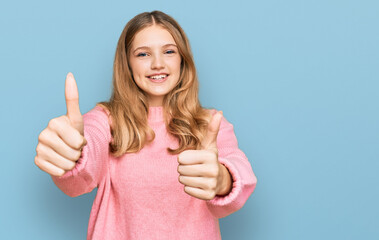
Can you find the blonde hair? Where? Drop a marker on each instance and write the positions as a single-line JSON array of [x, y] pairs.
[[185, 118]]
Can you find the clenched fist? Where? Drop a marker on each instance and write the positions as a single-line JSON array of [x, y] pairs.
[[60, 143], [202, 175]]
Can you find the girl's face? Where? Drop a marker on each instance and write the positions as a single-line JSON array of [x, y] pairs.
[[155, 62]]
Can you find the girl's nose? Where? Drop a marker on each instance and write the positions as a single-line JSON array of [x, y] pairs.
[[157, 62]]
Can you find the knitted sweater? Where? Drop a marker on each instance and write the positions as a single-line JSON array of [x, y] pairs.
[[139, 195]]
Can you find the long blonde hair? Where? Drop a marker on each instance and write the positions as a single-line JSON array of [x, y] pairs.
[[185, 118]]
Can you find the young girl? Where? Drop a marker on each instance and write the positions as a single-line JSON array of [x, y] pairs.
[[165, 167]]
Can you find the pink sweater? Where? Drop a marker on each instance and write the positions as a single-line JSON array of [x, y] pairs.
[[139, 195]]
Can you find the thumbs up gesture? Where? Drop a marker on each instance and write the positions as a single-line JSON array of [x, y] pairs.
[[200, 172], [60, 143]]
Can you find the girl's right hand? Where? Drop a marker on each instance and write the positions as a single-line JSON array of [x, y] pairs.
[[60, 144]]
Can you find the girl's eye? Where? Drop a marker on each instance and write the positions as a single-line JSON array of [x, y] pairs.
[[170, 51], [142, 54]]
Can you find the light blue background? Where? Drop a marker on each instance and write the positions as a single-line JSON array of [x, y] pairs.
[[297, 79]]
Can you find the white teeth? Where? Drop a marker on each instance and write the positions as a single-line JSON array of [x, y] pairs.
[[158, 76]]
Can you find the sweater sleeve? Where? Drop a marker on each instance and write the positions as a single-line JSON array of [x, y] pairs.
[[244, 179], [93, 164]]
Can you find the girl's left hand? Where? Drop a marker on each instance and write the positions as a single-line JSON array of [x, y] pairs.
[[200, 172]]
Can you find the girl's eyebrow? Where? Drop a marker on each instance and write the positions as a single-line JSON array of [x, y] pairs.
[[146, 47]]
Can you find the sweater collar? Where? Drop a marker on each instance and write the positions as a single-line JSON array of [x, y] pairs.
[[155, 114]]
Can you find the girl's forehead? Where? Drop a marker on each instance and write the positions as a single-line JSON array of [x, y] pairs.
[[151, 36]]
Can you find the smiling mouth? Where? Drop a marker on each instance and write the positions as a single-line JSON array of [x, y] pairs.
[[158, 77]]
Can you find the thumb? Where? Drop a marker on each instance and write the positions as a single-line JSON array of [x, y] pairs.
[[72, 103], [210, 139]]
